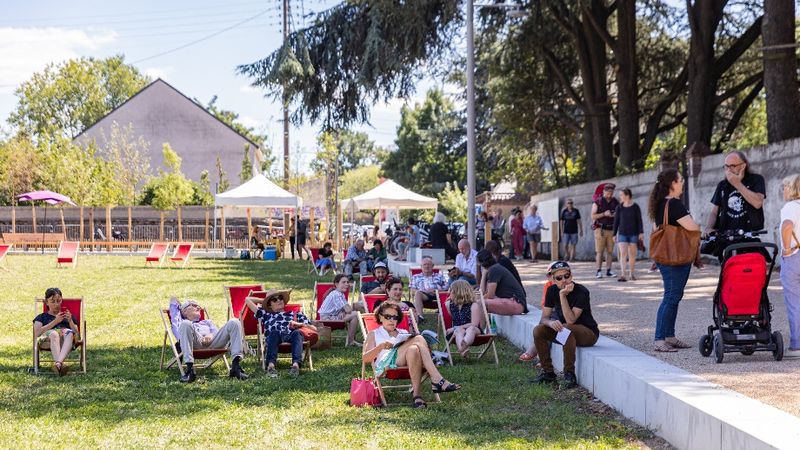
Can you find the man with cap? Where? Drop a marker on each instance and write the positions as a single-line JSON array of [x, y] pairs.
[[603, 217], [380, 271], [196, 333], [502, 293], [566, 306]]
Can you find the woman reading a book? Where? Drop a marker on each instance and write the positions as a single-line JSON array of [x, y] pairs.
[[389, 346]]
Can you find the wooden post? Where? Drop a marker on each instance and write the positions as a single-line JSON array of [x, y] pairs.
[[339, 229], [205, 232], [109, 236], [249, 227], [487, 232], [554, 244], [63, 224], [311, 235], [13, 219], [33, 214], [271, 214], [91, 223], [130, 225], [180, 228], [80, 232], [223, 238], [161, 227]]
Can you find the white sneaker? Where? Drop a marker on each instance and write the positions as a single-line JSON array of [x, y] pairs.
[[788, 353], [599, 274], [610, 273]]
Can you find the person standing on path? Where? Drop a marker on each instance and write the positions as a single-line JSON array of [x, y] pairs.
[[571, 228], [665, 197], [603, 217], [738, 200], [291, 236], [790, 261], [628, 231], [533, 229], [518, 234], [302, 230]]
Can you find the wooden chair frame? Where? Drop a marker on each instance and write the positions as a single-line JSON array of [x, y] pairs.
[[484, 340], [312, 263], [284, 347], [399, 373], [175, 259], [78, 343], [158, 252], [62, 259], [210, 355]]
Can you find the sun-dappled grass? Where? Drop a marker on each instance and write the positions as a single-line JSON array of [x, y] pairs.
[[125, 401]]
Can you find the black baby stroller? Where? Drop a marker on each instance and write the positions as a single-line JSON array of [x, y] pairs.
[[741, 309]]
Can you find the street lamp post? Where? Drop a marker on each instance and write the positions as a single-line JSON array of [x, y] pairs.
[[471, 111]]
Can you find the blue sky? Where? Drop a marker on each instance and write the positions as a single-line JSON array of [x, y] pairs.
[[34, 33]]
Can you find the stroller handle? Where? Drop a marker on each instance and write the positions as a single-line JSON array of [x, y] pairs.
[[768, 246]]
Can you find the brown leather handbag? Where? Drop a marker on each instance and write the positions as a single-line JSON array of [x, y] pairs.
[[673, 245]]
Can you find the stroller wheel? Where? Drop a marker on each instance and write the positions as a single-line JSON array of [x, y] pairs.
[[705, 345], [719, 348], [777, 340]]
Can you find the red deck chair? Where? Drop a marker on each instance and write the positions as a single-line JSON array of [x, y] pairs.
[[67, 253], [429, 304], [4, 249], [181, 254], [249, 323], [236, 306], [75, 306], [356, 269], [369, 323], [371, 299], [321, 289], [210, 355], [484, 340], [157, 253], [312, 263]]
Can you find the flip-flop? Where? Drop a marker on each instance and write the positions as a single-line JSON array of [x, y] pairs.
[[664, 348], [526, 357]]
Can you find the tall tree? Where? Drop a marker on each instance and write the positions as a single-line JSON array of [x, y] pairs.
[[21, 163], [247, 165], [780, 70], [129, 156], [171, 188], [66, 98]]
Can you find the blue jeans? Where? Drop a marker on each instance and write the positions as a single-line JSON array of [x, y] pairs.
[[675, 278], [790, 279], [274, 339]]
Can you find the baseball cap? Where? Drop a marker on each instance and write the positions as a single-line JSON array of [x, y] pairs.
[[380, 265], [557, 265]]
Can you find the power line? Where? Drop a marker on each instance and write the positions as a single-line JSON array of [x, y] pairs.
[[204, 38]]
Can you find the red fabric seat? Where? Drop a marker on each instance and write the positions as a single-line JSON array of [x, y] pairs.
[[743, 280]]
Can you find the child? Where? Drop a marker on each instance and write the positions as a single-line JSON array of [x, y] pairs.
[[336, 307], [57, 328], [325, 260], [466, 313], [530, 354]]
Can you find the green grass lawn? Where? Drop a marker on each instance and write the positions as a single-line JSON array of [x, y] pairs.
[[125, 401]]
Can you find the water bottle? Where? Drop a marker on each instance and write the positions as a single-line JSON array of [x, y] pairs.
[[492, 326]]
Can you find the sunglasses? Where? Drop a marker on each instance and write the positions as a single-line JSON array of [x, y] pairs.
[[566, 276], [395, 318]]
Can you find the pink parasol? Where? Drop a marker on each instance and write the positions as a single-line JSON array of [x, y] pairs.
[[49, 197]]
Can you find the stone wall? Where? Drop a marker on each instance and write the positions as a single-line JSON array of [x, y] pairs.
[[774, 162]]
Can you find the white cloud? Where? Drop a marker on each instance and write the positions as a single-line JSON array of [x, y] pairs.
[[247, 89], [28, 50], [158, 72]]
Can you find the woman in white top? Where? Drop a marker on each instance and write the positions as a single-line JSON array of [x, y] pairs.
[[414, 353], [790, 260], [336, 307]]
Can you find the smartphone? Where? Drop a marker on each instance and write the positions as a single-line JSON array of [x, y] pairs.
[[63, 309]]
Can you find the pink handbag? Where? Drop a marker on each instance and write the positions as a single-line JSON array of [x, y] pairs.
[[363, 393]]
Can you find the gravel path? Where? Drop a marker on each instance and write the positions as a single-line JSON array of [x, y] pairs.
[[626, 312]]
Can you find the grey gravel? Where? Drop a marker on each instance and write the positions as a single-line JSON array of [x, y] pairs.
[[626, 312]]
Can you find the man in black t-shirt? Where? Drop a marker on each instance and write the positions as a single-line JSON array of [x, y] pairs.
[[738, 200], [571, 228], [566, 306]]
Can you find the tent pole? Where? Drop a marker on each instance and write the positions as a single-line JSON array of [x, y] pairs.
[[13, 219], [205, 229], [310, 232], [223, 236], [249, 227], [33, 215]]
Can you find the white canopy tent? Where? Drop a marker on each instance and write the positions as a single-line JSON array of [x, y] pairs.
[[258, 192], [387, 195]]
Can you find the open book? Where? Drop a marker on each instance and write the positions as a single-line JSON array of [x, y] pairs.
[[400, 338]]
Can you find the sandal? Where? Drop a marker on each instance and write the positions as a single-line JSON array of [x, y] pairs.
[[419, 402], [622, 279], [526, 357], [57, 368], [439, 388], [664, 348], [677, 343]]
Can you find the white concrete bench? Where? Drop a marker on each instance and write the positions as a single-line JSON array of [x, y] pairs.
[[683, 408], [416, 254]]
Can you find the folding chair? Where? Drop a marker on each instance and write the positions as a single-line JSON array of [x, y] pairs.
[[249, 323], [211, 355], [236, 296], [368, 322], [321, 289], [181, 254], [371, 299], [67, 253], [157, 253], [4, 249], [429, 304], [75, 307], [312, 263], [483, 340]]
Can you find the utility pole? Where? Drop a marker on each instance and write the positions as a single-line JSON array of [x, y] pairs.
[[285, 104]]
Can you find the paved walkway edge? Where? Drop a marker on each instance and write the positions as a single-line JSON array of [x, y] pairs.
[[683, 408]]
